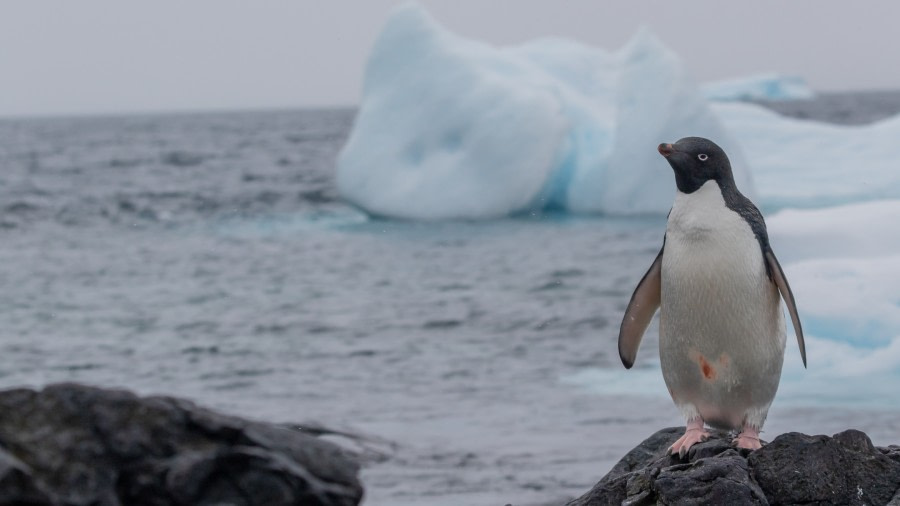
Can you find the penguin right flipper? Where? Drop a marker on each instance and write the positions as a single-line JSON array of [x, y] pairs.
[[643, 305], [788, 297]]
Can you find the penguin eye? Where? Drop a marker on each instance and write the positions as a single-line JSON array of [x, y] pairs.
[[702, 157]]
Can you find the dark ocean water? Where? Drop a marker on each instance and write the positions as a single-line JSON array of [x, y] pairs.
[[208, 256], [856, 108]]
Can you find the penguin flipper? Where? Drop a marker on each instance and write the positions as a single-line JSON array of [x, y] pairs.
[[643, 305], [788, 297]]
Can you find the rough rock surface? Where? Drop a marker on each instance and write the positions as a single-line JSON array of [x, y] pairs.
[[77, 445], [793, 469]]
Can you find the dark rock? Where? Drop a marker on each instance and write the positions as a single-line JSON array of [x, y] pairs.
[[78, 445], [793, 469], [637, 466], [892, 451], [723, 479], [844, 469], [17, 486]]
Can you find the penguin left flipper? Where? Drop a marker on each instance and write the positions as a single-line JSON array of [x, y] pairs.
[[788, 297], [641, 308]]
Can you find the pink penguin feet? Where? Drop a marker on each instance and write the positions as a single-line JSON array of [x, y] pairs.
[[748, 438], [695, 433]]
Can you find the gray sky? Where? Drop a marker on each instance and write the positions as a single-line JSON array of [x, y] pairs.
[[107, 56]]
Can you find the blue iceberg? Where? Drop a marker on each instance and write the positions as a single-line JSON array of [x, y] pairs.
[[450, 128]]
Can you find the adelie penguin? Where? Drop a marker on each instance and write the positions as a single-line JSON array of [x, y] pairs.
[[716, 282]]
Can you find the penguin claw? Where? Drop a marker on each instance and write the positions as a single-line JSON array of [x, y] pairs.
[[748, 438], [692, 436]]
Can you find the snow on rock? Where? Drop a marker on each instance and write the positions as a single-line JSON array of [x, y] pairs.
[[798, 163], [450, 128], [759, 87]]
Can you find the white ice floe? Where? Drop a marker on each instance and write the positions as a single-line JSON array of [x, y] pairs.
[[798, 163], [453, 128], [844, 266], [759, 87], [867, 229], [854, 300]]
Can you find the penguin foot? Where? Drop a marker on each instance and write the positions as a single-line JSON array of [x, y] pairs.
[[748, 438], [695, 433]]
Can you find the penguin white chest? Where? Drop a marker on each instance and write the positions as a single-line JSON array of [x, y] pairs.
[[709, 241], [721, 327]]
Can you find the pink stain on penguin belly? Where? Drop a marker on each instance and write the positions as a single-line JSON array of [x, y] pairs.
[[708, 370]]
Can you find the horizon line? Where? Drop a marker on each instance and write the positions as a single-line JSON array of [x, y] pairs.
[[177, 110]]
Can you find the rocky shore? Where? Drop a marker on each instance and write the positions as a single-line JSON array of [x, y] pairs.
[[77, 445], [71, 444], [794, 468]]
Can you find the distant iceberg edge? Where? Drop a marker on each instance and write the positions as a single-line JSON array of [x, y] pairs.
[[773, 87]]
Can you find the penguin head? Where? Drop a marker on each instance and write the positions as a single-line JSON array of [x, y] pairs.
[[695, 161]]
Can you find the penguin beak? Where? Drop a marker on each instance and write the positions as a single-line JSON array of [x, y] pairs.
[[666, 150]]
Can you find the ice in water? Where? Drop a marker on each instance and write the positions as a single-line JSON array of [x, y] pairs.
[[759, 87], [454, 128]]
